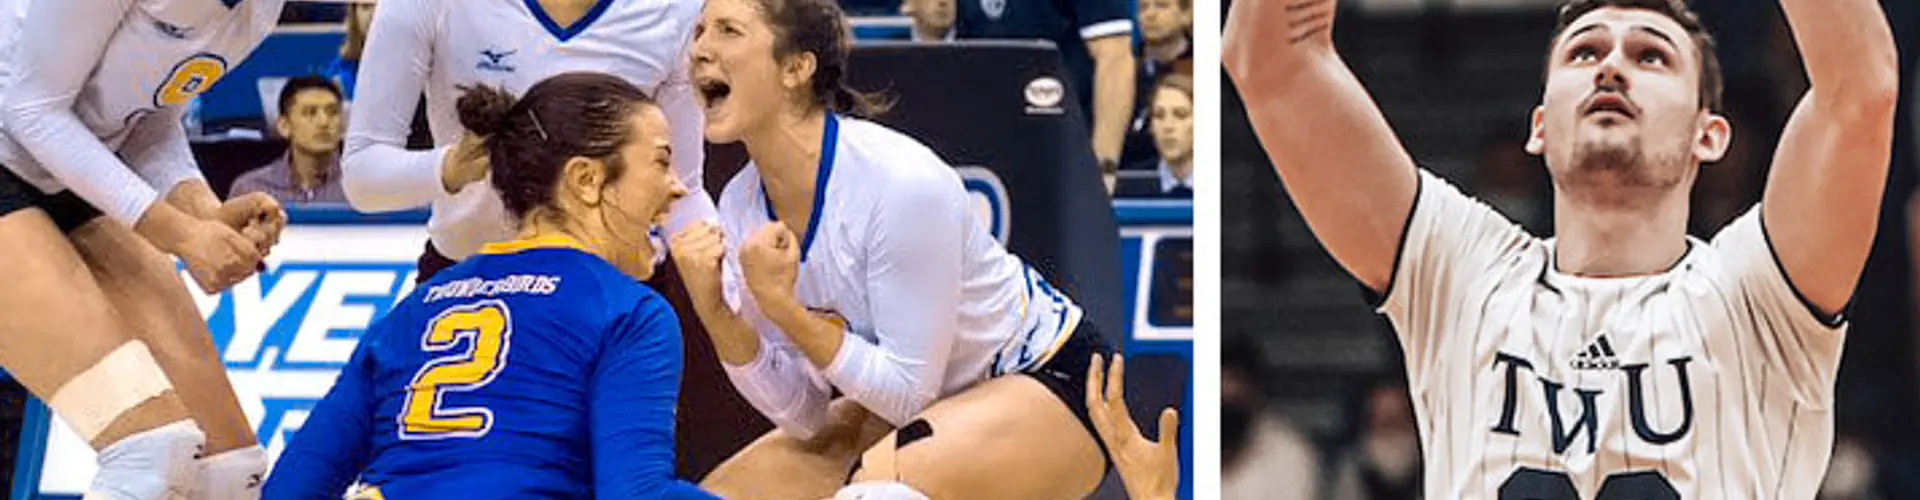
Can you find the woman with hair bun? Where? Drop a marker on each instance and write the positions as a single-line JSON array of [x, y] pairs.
[[539, 367]]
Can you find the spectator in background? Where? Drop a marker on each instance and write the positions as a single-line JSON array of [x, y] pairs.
[[1166, 47], [343, 68], [1096, 43], [1166, 30], [932, 19], [310, 171], [1261, 455], [1172, 126], [1383, 460]]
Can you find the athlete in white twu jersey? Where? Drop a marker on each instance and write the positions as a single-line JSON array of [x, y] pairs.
[[1620, 359], [440, 45], [96, 320]]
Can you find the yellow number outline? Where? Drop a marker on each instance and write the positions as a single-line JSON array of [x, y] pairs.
[[189, 78], [488, 328]]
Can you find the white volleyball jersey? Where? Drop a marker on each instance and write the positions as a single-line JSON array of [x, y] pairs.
[[1710, 380], [437, 46], [91, 96], [932, 303]]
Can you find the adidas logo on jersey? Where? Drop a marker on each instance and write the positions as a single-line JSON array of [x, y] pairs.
[[1598, 356]]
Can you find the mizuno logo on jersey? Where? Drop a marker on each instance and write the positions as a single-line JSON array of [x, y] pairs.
[[1598, 356], [496, 60]]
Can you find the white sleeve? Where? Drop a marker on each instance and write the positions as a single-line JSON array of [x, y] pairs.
[[159, 152], [378, 172], [1793, 338], [914, 255], [779, 385], [61, 43], [688, 124], [1449, 240]]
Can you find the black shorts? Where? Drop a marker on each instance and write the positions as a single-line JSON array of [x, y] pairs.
[[1065, 374], [67, 210]]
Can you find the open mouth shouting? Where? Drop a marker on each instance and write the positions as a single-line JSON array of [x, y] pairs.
[[713, 93]]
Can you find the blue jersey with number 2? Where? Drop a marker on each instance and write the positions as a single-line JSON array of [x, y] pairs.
[[533, 369]]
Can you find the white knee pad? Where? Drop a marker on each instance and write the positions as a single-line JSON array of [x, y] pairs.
[[879, 490], [121, 380], [151, 465], [233, 475]]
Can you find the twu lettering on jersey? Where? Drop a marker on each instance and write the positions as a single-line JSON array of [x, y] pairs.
[[1568, 424]]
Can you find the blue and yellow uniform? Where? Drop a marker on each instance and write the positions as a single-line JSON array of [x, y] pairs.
[[532, 370]]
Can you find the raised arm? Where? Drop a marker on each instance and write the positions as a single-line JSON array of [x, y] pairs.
[[1822, 198], [1346, 171]]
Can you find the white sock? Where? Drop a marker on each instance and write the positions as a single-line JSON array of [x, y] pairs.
[[151, 465], [233, 475], [879, 490]]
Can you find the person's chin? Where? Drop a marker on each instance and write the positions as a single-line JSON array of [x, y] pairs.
[[721, 129]]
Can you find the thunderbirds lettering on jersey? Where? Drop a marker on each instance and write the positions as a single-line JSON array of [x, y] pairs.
[[285, 334]]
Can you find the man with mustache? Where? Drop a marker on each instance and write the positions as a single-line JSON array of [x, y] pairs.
[[1620, 358]]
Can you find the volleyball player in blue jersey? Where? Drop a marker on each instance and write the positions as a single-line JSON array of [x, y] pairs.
[[539, 367]]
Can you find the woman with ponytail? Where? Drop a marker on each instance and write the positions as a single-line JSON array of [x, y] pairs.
[[855, 299], [538, 368]]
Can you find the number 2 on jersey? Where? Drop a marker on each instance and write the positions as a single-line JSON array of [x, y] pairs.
[[487, 327]]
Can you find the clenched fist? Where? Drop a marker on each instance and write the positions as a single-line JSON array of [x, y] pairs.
[[770, 259]]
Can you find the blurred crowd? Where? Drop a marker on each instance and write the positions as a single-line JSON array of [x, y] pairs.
[[1308, 362]]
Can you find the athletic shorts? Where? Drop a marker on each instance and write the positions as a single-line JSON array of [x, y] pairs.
[[67, 210], [1065, 374]]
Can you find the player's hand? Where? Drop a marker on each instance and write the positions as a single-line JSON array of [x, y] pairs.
[[770, 259], [256, 216], [216, 255], [697, 250], [466, 163], [1149, 470], [1257, 31]]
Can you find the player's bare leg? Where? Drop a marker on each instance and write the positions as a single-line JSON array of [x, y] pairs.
[[142, 285], [779, 466], [1009, 429], [65, 342]]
